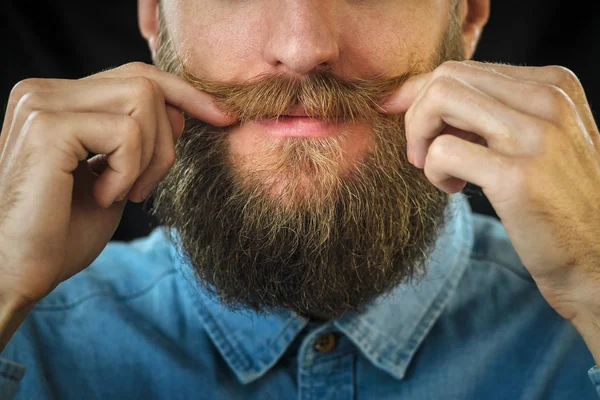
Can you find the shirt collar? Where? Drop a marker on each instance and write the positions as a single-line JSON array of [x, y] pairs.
[[388, 332]]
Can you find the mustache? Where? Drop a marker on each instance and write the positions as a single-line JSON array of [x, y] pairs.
[[322, 94]]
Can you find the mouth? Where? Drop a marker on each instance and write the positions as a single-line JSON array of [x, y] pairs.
[[296, 122]]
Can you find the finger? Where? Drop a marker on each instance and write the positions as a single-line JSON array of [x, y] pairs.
[[557, 76], [162, 159], [177, 121], [97, 164], [60, 140], [536, 99], [177, 92], [551, 93], [451, 162], [130, 96], [401, 100], [548, 75], [532, 97], [19, 90], [451, 102]]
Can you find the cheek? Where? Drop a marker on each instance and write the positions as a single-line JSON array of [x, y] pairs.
[[391, 42], [221, 43], [225, 39]]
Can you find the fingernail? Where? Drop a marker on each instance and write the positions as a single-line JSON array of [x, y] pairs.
[[148, 190], [410, 156]]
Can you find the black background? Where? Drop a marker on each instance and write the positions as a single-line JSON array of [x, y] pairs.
[[72, 39]]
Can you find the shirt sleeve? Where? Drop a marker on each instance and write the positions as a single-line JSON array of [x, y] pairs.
[[10, 375], [594, 374]]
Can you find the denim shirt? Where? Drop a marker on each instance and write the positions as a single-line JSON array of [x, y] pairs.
[[135, 325]]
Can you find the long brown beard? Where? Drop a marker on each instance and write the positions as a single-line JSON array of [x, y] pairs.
[[334, 238]]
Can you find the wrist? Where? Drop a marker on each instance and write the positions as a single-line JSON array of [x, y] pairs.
[[588, 327], [12, 313]]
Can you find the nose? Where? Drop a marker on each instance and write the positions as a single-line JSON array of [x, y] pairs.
[[302, 36]]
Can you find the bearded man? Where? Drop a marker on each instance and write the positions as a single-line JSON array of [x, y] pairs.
[[306, 159]]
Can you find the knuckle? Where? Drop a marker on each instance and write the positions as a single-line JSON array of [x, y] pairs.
[[24, 87], [35, 128], [510, 142], [38, 119], [564, 78], [441, 87], [144, 87], [551, 100], [450, 68], [556, 94], [534, 140], [29, 101], [558, 102], [440, 147], [137, 66]]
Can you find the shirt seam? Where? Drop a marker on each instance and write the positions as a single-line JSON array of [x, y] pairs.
[[105, 293], [481, 257]]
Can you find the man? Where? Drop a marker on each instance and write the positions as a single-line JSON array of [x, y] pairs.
[[314, 244]]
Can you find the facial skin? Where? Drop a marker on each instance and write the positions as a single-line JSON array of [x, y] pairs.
[[236, 41], [322, 220]]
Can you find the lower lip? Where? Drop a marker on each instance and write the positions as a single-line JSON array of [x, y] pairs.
[[299, 127]]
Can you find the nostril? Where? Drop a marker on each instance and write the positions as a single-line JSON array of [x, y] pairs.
[[301, 45]]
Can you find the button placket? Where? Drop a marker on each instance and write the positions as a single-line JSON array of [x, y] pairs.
[[326, 343], [325, 369]]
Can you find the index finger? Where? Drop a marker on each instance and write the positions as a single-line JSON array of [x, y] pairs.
[[177, 92], [405, 96]]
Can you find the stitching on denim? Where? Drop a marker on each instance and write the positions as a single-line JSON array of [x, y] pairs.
[[481, 257], [104, 292]]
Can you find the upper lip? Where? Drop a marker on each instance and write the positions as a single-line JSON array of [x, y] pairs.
[[297, 111]]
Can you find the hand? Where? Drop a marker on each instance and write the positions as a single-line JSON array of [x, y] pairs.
[[528, 138], [59, 210]]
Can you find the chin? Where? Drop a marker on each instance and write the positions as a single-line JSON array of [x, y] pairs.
[[319, 226], [297, 168]]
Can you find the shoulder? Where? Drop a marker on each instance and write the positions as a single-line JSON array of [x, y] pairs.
[[497, 316], [495, 281], [122, 270]]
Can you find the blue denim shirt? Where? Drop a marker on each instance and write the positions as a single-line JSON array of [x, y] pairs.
[[134, 325]]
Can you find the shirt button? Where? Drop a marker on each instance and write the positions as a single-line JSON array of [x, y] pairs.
[[325, 343]]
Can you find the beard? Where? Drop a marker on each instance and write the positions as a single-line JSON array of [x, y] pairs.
[[295, 226]]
